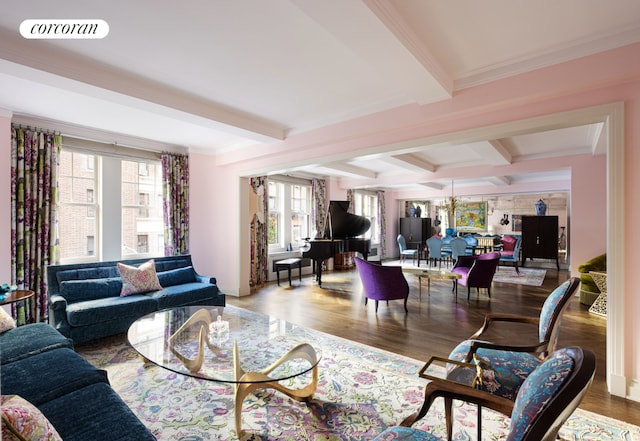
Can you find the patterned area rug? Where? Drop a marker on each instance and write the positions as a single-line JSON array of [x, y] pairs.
[[527, 276], [361, 391]]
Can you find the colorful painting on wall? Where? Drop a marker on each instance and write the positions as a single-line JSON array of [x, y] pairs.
[[472, 217]]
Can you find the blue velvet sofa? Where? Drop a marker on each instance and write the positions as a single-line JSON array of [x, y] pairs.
[[85, 302], [39, 364]]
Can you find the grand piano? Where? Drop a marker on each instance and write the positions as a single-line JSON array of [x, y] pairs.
[[341, 229]]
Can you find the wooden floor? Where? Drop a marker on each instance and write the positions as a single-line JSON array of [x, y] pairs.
[[436, 323]]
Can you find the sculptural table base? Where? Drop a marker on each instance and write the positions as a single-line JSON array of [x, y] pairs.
[[244, 382], [247, 382]]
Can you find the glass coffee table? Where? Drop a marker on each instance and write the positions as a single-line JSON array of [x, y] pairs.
[[228, 345]]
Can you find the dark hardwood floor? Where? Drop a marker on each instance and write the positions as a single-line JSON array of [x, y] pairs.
[[435, 324]]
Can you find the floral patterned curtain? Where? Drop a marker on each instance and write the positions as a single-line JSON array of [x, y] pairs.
[[34, 226], [382, 223], [350, 196], [175, 194], [318, 205], [259, 211]]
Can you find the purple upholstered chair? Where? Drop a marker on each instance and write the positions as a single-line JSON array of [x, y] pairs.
[[382, 282], [477, 271]]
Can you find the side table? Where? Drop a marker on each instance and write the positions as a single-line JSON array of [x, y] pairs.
[[599, 306], [17, 296], [449, 379]]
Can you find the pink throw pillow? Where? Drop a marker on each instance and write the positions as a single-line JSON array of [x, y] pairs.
[[138, 280], [22, 420], [6, 321]]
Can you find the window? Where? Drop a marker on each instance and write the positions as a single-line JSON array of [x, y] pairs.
[[366, 204], [110, 207], [141, 219], [289, 214], [78, 222]]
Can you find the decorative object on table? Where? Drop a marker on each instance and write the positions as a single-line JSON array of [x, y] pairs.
[[412, 211], [6, 289], [418, 212], [541, 208]]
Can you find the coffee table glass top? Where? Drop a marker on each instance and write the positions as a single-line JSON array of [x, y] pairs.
[[164, 337]]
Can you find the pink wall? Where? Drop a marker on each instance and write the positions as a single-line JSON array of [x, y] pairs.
[[591, 81]]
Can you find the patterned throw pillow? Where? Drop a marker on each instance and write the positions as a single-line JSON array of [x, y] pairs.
[[138, 280], [6, 321], [22, 420]]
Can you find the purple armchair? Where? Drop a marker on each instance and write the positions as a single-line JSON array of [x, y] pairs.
[[382, 282], [477, 271]]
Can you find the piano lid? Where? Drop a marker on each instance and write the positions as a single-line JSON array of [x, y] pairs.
[[341, 225]]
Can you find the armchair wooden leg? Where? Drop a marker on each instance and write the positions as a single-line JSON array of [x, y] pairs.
[[448, 412], [377, 306]]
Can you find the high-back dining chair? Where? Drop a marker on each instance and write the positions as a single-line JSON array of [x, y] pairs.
[[547, 399], [434, 247], [382, 282], [404, 251], [458, 248], [511, 250]]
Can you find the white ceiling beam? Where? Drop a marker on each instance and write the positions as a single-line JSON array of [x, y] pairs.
[[371, 31], [352, 169], [433, 185], [68, 71], [410, 162], [496, 152], [499, 181]]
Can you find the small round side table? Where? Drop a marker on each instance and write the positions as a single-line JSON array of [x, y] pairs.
[[16, 296]]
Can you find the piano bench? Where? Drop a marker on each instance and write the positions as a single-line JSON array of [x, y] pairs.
[[288, 264]]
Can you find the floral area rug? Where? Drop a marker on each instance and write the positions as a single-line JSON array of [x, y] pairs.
[[526, 276], [361, 391]]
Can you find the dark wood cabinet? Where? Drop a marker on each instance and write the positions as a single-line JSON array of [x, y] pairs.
[[540, 238], [416, 231]]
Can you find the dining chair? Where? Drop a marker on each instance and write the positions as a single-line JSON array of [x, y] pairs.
[[406, 252], [436, 254], [548, 397], [382, 282], [511, 250], [458, 248]]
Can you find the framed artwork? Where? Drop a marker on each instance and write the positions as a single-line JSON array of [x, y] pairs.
[[516, 222], [472, 217]]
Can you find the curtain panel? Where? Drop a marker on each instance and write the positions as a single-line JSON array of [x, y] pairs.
[[318, 205], [351, 193], [35, 161], [382, 223], [175, 192], [259, 205]]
